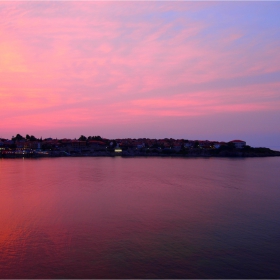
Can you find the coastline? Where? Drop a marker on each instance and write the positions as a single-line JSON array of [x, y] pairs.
[[237, 153]]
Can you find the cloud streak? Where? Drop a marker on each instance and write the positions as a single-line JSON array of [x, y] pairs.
[[82, 63]]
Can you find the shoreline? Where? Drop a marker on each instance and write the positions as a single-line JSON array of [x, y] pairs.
[[192, 154]]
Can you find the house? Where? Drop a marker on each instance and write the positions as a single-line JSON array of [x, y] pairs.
[[76, 146], [35, 145], [140, 146], [217, 145], [239, 144], [95, 145], [187, 145]]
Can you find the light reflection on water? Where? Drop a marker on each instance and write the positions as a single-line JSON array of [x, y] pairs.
[[139, 218]]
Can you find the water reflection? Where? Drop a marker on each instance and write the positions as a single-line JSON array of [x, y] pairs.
[[139, 218]]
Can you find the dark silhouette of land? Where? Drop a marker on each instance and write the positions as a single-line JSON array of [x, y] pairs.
[[30, 146]]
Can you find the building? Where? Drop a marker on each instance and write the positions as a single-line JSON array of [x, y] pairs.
[[118, 149], [95, 145], [239, 144]]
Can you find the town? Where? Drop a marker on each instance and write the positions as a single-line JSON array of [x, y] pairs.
[[30, 146]]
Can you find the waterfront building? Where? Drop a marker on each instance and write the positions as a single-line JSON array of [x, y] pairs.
[[239, 144]]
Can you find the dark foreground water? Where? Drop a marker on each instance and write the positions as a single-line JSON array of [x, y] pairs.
[[140, 218]]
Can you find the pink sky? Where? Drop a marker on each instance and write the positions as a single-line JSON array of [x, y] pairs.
[[193, 70]]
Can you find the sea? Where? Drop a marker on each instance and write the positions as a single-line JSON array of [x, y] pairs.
[[140, 218]]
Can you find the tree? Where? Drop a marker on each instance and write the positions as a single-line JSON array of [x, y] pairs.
[[33, 138], [97, 138], [230, 146], [82, 138], [17, 138], [247, 148]]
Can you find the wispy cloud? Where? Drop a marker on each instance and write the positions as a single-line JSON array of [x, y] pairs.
[[98, 62]]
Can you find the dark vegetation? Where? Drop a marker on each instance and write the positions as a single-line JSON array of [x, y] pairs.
[[98, 146]]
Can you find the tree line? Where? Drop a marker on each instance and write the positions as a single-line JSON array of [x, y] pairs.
[[19, 137]]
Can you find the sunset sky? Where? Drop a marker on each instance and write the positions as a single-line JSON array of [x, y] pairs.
[[192, 70]]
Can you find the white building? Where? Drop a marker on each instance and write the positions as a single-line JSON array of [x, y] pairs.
[[239, 144]]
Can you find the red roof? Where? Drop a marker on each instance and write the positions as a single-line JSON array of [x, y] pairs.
[[237, 141]]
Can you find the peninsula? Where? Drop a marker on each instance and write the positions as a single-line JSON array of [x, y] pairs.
[[32, 147]]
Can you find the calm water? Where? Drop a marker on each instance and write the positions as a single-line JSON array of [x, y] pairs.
[[140, 218]]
